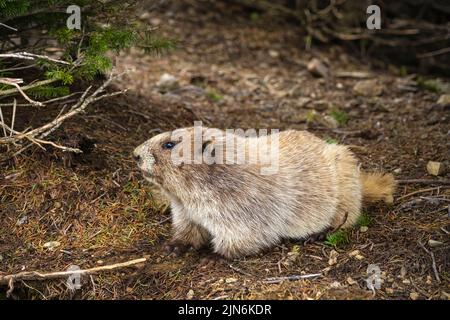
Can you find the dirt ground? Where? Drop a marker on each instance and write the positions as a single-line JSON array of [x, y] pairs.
[[234, 70]]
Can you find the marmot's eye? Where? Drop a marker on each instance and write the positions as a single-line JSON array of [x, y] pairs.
[[168, 145]]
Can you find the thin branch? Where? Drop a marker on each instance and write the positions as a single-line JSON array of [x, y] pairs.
[[8, 27], [423, 181], [36, 275], [35, 136], [416, 192], [18, 68], [3, 122], [25, 88], [433, 261], [11, 82], [13, 120], [434, 53], [241, 271], [37, 141], [43, 102], [32, 56], [291, 278]]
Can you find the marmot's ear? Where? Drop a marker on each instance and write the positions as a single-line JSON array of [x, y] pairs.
[[210, 146]]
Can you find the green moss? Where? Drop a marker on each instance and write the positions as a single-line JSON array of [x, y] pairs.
[[254, 16], [364, 220], [433, 85], [331, 141], [338, 238], [340, 116], [213, 95]]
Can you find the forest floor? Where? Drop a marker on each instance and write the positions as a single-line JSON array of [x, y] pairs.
[[232, 70]]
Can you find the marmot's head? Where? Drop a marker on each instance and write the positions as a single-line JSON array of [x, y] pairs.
[[169, 157], [186, 157]]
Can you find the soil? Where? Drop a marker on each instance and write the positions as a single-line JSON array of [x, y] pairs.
[[234, 70]]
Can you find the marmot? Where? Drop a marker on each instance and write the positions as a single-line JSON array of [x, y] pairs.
[[240, 211]]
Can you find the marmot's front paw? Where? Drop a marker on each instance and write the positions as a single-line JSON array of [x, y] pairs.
[[175, 248]]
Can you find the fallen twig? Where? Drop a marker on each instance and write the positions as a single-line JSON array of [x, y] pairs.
[[15, 83], [416, 192], [353, 74], [30, 86], [433, 261], [13, 120], [36, 275], [8, 27], [37, 141], [423, 181], [433, 53], [36, 134], [241, 271], [3, 121], [43, 102], [291, 278], [32, 56]]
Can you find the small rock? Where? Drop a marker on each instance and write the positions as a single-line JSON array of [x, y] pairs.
[[434, 243], [302, 102], [330, 122], [435, 168], [335, 285], [444, 100], [406, 281], [351, 281], [22, 220], [333, 257], [414, 295], [363, 229], [100, 262], [292, 255], [339, 85], [155, 21], [317, 68], [190, 294], [230, 280], [354, 253], [403, 272], [274, 53], [398, 170], [368, 88], [51, 245], [167, 82], [429, 280], [145, 15]]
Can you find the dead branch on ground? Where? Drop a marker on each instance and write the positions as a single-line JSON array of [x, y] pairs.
[[37, 275], [35, 136]]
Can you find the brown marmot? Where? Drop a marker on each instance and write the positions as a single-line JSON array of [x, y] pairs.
[[238, 209]]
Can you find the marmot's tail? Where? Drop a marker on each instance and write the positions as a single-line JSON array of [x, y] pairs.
[[378, 186]]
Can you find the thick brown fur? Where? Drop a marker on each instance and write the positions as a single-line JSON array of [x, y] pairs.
[[239, 211]]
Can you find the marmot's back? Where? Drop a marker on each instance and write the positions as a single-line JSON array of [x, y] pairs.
[[325, 177]]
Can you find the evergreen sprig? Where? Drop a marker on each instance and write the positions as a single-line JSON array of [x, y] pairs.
[[106, 26]]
